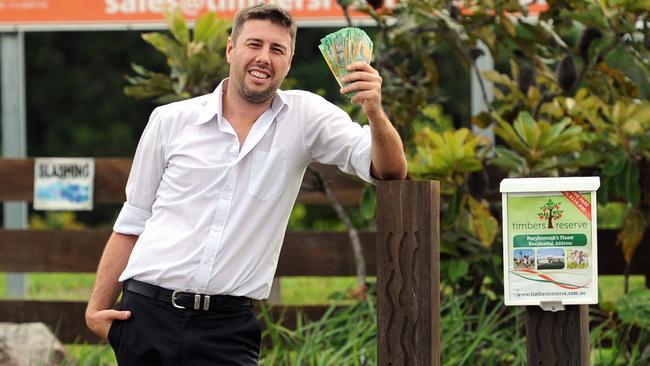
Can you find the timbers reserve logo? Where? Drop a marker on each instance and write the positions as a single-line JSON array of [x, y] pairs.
[[550, 212]]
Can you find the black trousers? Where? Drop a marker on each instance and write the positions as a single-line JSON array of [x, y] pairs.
[[159, 334]]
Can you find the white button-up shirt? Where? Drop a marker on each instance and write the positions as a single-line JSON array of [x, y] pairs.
[[210, 214]]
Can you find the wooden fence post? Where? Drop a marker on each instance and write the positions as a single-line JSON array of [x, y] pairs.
[[408, 273], [558, 338]]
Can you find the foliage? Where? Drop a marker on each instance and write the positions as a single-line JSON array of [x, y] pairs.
[[446, 156], [340, 337], [473, 331], [611, 214], [197, 63], [535, 148], [564, 106], [462, 316], [88, 355], [628, 334], [55, 220], [634, 308]]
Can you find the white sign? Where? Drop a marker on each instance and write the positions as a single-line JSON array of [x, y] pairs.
[[550, 241], [63, 183]]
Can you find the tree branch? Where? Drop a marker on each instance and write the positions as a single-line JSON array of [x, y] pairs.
[[352, 232]]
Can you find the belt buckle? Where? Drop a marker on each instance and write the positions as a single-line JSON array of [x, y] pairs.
[[174, 296], [197, 301]]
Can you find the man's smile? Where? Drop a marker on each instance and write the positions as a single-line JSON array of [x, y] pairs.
[[259, 73]]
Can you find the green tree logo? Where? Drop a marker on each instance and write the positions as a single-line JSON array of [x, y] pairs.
[[550, 212]]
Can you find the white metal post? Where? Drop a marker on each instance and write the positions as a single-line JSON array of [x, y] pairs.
[[485, 62], [14, 136]]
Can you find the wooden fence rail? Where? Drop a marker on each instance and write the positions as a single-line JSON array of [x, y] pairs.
[[111, 175], [79, 251]]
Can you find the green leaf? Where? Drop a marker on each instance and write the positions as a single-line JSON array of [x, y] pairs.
[[453, 210], [590, 18], [527, 129], [508, 160], [628, 183], [177, 26], [141, 70], [507, 25], [588, 158], [634, 308], [368, 203], [457, 270], [204, 27], [174, 52], [507, 133], [614, 163]]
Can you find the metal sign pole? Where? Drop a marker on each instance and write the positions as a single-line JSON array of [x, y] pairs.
[[14, 136], [485, 62]]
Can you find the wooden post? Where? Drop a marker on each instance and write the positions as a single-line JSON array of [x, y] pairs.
[[408, 273], [558, 338]]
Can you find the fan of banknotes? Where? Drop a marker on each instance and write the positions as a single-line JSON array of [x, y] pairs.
[[344, 47]]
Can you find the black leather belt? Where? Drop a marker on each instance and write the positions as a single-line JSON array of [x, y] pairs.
[[187, 300]]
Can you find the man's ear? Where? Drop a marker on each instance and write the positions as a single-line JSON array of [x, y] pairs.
[[289, 67], [230, 46]]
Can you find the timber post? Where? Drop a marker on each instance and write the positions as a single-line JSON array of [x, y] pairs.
[[558, 338], [408, 273]]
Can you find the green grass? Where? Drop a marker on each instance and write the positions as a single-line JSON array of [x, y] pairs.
[[293, 290], [55, 286], [610, 288], [315, 290], [77, 287], [89, 355]]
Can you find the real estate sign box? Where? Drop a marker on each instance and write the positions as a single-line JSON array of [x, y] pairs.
[[549, 240]]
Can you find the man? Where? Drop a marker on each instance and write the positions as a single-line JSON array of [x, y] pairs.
[[209, 195]]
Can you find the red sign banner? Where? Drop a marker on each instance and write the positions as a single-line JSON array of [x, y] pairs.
[[68, 13], [580, 202]]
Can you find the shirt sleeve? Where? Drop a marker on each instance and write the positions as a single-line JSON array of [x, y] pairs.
[[144, 179], [331, 137]]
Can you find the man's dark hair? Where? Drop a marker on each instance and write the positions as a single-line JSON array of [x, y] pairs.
[[269, 12]]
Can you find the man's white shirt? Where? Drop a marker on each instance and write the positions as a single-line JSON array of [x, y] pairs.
[[210, 214]]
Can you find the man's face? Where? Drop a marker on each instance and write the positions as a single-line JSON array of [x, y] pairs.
[[259, 60]]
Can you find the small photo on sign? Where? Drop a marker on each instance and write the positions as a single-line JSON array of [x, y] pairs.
[[577, 259], [550, 258], [524, 258]]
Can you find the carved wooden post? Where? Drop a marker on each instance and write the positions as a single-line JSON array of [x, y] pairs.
[[558, 338], [408, 273]]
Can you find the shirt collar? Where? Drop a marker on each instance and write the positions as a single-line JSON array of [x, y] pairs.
[[214, 104]]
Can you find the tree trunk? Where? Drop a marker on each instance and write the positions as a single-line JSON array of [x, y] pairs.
[[550, 219]]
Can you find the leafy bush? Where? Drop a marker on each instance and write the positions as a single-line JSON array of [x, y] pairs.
[[474, 331], [568, 105]]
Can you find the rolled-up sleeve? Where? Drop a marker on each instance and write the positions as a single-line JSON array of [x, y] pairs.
[[331, 137], [144, 179]]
